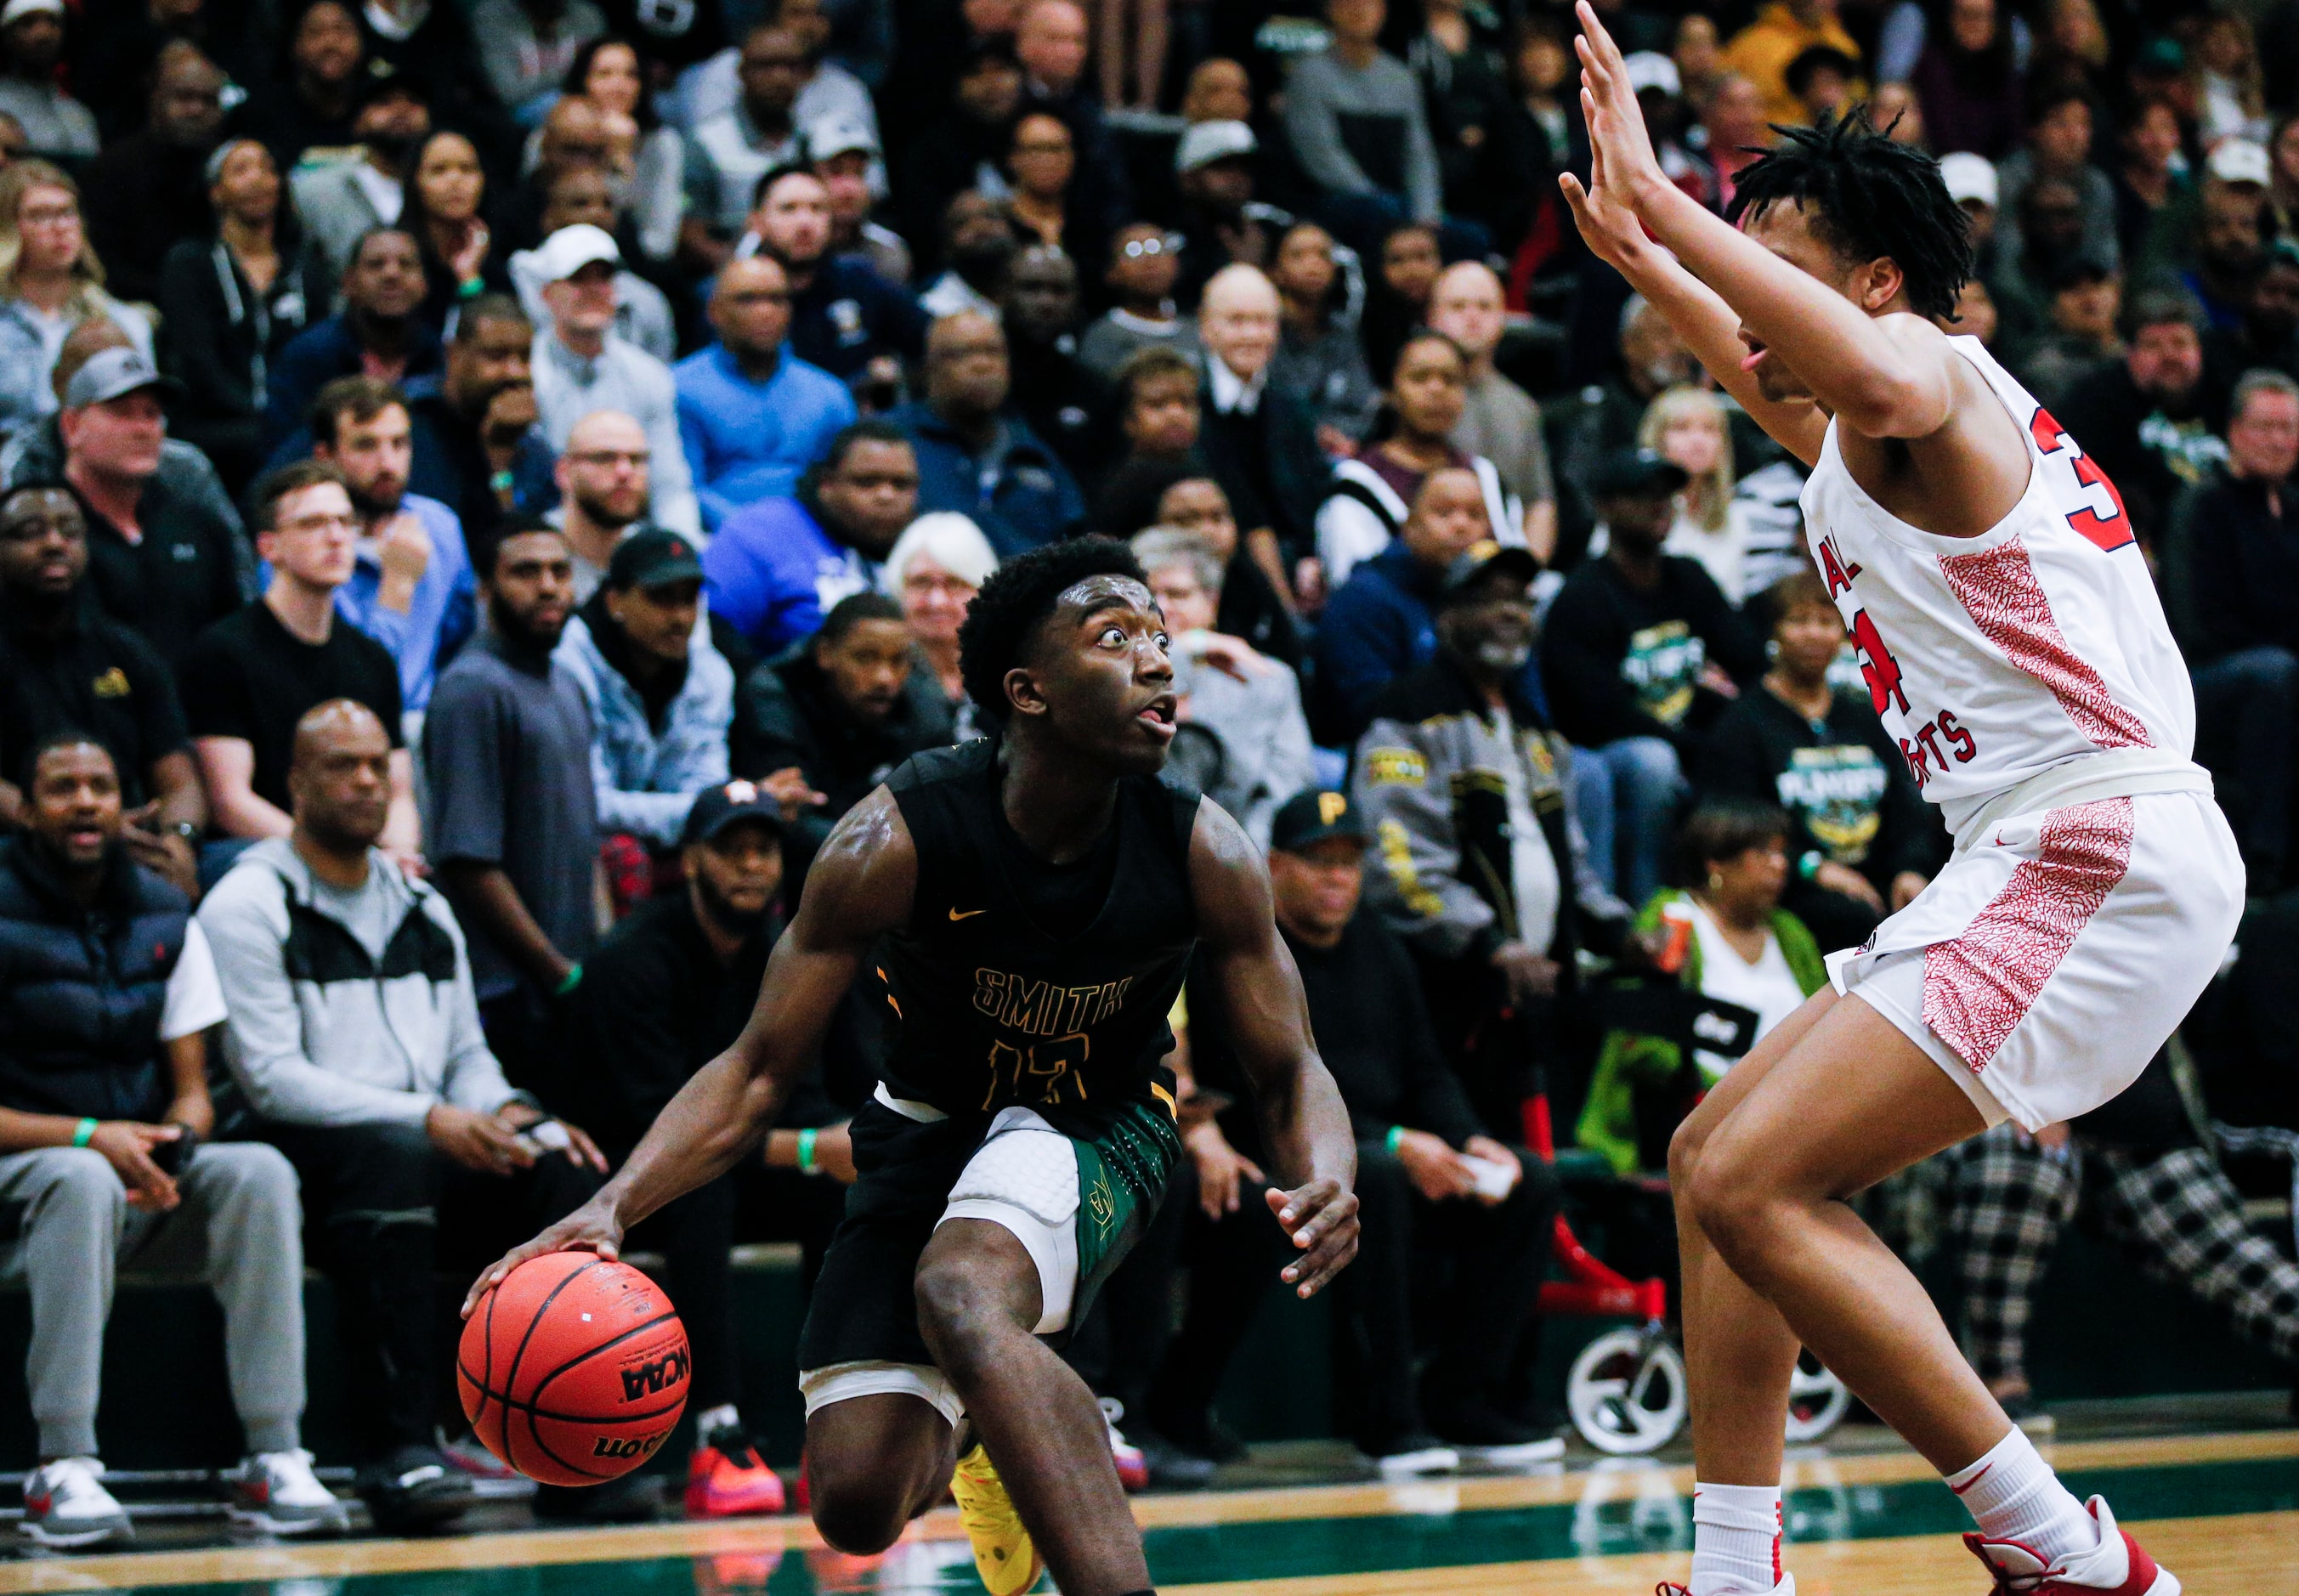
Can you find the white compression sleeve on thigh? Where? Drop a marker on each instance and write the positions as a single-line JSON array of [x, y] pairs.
[[1024, 1180], [1736, 1539], [2013, 1495]]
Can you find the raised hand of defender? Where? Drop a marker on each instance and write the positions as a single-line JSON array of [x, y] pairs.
[[1322, 1219], [1621, 165], [590, 1228]]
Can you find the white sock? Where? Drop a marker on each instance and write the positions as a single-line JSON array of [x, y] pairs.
[[2013, 1495], [722, 1416], [1736, 1539]]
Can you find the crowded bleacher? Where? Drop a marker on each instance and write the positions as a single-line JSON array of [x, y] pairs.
[[488, 483]]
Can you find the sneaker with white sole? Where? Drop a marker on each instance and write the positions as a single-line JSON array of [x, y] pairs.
[[2116, 1566], [277, 1493], [67, 1507], [1133, 1466], [1417, 1453], [1787, 1587]]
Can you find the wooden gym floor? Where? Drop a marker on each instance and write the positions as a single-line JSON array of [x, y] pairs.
[[2221, 1508]]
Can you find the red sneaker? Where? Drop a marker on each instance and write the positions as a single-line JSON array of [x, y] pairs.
[[2118, 1565], [1132, 1468], [729, 1481]]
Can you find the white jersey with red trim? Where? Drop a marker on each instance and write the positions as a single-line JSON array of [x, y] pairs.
[[1998, 660]]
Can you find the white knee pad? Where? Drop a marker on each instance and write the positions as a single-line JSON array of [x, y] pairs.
[[1024, 1178], [843, 1382]]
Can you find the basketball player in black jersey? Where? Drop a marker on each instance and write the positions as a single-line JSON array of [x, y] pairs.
[[1026, 905]]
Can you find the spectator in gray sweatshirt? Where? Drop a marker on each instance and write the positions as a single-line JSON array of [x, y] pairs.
[[1355, 117], [355, 1032]]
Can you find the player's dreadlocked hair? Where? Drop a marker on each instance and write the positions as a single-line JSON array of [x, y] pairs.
[[1004, 619], [1867, 198]]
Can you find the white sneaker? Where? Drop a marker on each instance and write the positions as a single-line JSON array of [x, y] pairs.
[[277, 1493], [1418, 1455], [66, 1504]]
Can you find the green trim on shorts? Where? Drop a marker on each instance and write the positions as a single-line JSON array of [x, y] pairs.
[[1123, 1170]]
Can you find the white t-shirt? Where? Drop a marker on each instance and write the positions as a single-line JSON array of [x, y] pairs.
[[195, 1000], [1532, 868], [1767, 988]]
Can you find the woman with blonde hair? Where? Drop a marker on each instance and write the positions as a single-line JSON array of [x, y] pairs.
[[1687, 425], [50, 282]]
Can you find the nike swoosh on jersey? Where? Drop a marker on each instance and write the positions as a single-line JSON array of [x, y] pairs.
[[968, 915]]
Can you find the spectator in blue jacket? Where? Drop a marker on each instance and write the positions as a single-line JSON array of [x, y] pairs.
[[377, 333], [1382, 622], [412, 589], [751, 415], [661, 697], [775, 570], [975, 455]]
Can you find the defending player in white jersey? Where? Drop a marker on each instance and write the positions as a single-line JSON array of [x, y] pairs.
[[2014, 647]]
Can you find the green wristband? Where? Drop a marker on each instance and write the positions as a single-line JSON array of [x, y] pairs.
[[84, 1132], [574, 980], [1809, 865], [1396, 1137], [806, 1151], [472, 289]]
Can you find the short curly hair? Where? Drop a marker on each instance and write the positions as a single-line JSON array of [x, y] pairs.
[[1003, 620], [1867, 198]]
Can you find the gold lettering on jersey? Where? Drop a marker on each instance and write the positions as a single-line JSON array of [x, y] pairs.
[[1040, 1008]]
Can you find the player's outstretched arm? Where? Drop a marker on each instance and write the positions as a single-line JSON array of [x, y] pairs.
[[1711, 330], [1303, 1122], [1881, 378], [861, 885]]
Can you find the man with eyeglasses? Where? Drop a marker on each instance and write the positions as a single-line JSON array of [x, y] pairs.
[[751, 415], [603, 479], [1145, 261], [250, 677]]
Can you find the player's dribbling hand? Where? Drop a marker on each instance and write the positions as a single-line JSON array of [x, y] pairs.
[[590, 1228], [1322, 1219]]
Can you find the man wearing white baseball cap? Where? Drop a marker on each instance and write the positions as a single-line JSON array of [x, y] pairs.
[[845, 156], [32, 39], [2239, 163], [581, 366]]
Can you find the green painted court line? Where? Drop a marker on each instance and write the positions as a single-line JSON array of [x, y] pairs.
[[1625, 1523]]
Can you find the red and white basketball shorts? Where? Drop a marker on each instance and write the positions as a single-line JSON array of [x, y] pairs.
[[2044, 966]]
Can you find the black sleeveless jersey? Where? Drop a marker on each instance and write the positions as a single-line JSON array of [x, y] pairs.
[[993, 1008]]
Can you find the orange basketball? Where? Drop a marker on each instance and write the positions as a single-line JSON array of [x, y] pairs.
[[574, 1369]]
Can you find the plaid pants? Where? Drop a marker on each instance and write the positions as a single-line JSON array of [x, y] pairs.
[[2002, 1203]]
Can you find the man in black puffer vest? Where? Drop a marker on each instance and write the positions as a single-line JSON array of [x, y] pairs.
[[107, 991]]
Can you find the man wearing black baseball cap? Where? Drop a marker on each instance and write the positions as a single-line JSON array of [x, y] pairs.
[[666, 992], [1639, 651], [1429, 1177], [661, 694], [1482, 870]]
